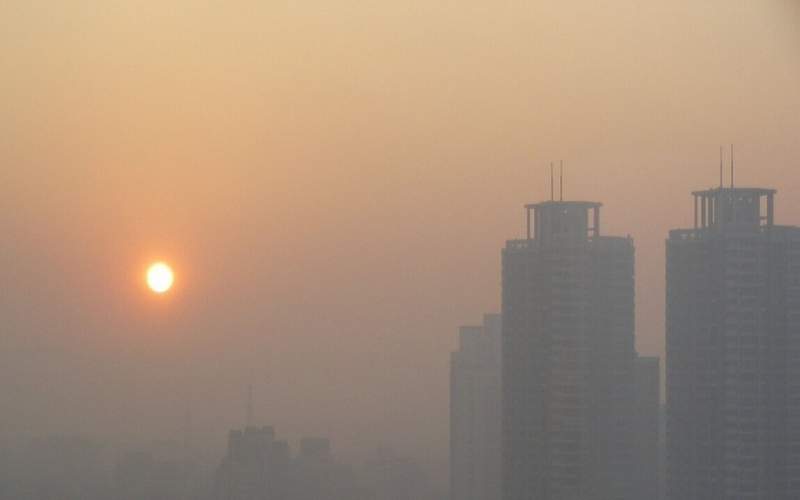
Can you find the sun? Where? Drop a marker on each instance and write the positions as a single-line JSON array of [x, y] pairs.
[[160, 277]]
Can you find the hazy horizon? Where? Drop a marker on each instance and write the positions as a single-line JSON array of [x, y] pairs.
[[333, 187]]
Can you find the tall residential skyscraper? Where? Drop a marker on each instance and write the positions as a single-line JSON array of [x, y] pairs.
[[733, 351], [475, 412], [568, 357]]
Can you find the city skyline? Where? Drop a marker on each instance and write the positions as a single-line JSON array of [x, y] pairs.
[[569, 222], [331, 186]]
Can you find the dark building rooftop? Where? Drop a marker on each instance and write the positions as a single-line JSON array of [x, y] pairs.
[[734, 206], [560, 218]]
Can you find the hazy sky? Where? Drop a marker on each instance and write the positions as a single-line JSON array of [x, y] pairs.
[[333, 182]]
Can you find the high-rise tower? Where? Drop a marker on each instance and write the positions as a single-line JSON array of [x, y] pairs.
[[475, 412], [568, 357], [733, 351]]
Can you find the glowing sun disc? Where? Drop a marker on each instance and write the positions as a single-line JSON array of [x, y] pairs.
[[160, 277]]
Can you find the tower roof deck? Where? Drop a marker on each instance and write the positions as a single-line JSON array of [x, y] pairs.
[[554, 219], [736, 190], [565, 204], [734, 207]]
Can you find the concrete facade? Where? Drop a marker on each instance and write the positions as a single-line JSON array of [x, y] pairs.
[[568, 358], [475, 412], [733, 351]]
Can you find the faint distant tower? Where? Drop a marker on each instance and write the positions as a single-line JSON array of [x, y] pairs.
[[568, 357], [256, 466], [249, 406], [475, 412], [647, 408], [733, 351], [316, 474]]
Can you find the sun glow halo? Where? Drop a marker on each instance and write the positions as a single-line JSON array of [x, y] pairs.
[[160, 277]]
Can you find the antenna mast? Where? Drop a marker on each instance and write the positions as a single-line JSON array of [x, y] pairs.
[[561, 182], [552, 195], [731, 166], [720, 167], [249, 409]]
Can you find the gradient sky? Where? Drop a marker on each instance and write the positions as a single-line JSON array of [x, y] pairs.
[[333, 182]]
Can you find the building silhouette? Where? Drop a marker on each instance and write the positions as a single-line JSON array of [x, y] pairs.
[[733, 351], [53, 467], [316, 474], [647, 408], [389, 475], [256, 466], [475, 412], [143, 474], [568, 357]]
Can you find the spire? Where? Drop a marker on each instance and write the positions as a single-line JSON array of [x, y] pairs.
[[249, 408]]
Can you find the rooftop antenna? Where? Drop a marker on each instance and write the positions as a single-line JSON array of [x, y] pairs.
[[249, 409], [731, 166], [561, 182], [720, 167], [552, 196]]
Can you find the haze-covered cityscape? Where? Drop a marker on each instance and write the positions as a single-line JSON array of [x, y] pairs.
[[400, 250]]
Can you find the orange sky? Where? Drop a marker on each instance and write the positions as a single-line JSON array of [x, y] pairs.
[[334, 185]]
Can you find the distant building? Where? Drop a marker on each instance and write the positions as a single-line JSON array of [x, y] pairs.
[[390, 476], [662, 451], [256, 466], [646, 464], [475, 412], [55, 467], [316, 474], [733, 351], [140, 474], [568, 358]]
